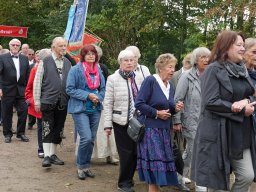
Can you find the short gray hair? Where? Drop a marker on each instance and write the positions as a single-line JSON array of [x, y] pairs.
[[56, 39], [200, 51], [135, 50], [44, 53], [163, 60], [249, 42], [125, 54], [99, 51]]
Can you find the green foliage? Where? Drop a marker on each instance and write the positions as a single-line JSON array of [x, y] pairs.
[[155, 26]]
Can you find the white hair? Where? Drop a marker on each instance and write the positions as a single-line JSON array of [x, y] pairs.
[[200, 51], [125, 54], [99, 51], [14, 40], [57, 39], [44, 53], [135, 50]]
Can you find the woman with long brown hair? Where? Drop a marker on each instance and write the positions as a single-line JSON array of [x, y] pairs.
[[225, 140]]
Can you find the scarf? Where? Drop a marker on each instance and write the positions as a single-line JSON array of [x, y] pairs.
[[252, 74], [93, 83], [236, 69], [131, 75]]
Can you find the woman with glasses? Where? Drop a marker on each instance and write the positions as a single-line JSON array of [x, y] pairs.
[[86, 88], [188, 90]]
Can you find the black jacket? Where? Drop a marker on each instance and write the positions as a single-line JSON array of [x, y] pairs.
[[8, 78], [211, 156]]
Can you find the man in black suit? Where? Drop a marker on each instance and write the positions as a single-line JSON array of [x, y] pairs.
[[14, 72]]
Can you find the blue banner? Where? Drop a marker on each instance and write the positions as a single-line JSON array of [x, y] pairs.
[[71, 16], [78, 25]]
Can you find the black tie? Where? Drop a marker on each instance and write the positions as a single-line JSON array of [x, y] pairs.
[[15, 56]]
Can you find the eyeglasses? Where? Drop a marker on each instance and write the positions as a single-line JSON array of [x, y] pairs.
[[15, 45], [204, 57]]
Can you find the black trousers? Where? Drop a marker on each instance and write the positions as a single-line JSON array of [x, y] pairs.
[[127, 151], [31, 120], [7, 112], [53, 119]]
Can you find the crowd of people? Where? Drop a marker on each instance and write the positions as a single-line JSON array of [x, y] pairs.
[[208, 105]]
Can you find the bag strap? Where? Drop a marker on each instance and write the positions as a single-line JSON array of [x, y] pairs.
[[142, 72]]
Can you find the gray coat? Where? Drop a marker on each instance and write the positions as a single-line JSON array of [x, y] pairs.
[[188, 90], [211, 162]]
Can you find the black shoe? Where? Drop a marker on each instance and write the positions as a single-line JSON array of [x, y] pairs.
[[81, 175], [55, 160], [88, 173], [46, 162], [22, 138], [7, 139]]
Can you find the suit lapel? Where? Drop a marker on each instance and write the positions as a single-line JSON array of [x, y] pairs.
[[9, 59]]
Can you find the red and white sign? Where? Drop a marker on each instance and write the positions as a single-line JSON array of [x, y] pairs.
[[13, 31]]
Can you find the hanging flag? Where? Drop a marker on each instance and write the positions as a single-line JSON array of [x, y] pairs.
[[13, 31], [77, 19], [74, 50], [71, 16]]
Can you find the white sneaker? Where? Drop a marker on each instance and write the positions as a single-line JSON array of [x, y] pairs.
[[186, 180], [201, 189]]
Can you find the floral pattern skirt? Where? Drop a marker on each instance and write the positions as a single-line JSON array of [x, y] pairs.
[[155, 160]]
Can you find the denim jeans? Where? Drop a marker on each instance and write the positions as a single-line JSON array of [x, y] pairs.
[[86, 126], [39, 135]]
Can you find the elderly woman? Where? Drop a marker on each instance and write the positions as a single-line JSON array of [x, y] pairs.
[[86, 88], [250, 58], [188, 90], [121, 91], [225, 139], [155, 104], [141, 71], [105, 146]]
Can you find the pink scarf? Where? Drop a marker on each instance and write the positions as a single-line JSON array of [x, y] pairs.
[[93, 71]]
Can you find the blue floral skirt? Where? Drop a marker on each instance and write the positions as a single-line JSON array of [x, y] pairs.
[[155, 160]]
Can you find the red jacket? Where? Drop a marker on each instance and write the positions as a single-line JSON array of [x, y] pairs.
[[29, 94]]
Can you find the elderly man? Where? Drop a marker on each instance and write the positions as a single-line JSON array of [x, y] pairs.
[[24, 49], [14, 72], [50, 97]]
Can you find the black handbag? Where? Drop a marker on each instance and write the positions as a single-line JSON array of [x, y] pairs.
[[135, 129], [177, 143]]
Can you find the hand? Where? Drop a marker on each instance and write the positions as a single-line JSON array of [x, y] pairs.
[[38, 108], [177, 127], [108, 131], [164, 114], [179, 106], [1, 93], [94, 98], [239, 105], [249, 109]]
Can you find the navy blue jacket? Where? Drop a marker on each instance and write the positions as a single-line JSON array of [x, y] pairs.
[[150, 99]]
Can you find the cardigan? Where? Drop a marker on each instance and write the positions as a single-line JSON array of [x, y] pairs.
[[150, 99]]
